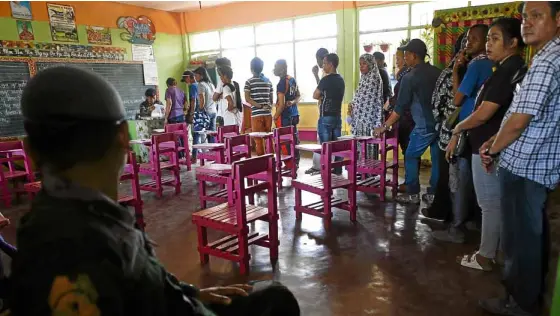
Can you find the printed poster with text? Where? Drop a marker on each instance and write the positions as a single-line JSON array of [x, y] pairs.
[[21, 10], [98, 35], [63, 23]]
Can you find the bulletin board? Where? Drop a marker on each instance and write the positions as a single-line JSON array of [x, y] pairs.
[[450, 24]]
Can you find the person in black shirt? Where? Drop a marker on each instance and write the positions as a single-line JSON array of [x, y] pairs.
[[503, 46], [78, 251], [330, 93], [148, 105], [380, 59]]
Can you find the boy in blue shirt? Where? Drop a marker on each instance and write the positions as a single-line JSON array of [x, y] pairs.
[[288, 97]]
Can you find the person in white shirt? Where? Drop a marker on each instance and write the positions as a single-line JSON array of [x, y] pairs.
[[232, 113], [218, 95]]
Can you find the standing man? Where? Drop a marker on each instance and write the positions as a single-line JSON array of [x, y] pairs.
[[258, 93], [288, 97], [382, 66], [319, 55], [188, 78], [528, 144], [416, 94], [330, 93]]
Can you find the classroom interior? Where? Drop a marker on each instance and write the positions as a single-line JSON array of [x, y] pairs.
[[385, 263]]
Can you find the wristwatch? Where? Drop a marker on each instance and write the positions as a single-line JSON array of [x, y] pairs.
[[388, 128], [493, 156]]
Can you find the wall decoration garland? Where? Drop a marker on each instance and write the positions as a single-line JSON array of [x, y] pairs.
[[450, 24], [63, 22], [52, 50], [139, 30]]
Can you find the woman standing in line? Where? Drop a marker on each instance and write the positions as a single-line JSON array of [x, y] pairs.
[[205, 94], [232, 95], [366, 108], [503, 47]]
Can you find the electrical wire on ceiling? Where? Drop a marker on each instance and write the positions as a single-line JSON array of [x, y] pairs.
[[200, 4]]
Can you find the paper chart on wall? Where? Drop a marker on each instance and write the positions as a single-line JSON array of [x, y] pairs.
[[150, 73], [142, 52], [63, 23]]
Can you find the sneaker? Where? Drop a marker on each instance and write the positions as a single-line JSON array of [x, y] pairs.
[[500, 306], [428, 198], [311, 171], [408, 199], [452, 234]]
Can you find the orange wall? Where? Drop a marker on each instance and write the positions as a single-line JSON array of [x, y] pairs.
[[239, 13], [104, 13]]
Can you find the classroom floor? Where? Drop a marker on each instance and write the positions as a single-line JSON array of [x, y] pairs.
[[385, 264]]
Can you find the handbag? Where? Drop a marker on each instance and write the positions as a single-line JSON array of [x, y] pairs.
[[201, 120]]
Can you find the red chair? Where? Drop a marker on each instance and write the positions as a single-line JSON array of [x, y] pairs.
[[155, 167], [324, 183], [12, 156], [373, 170], [285, 136], [237, 148], [234, 216], [227, 131], [181, 130]]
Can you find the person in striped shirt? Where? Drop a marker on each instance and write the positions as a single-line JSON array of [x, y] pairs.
[[258, 93]]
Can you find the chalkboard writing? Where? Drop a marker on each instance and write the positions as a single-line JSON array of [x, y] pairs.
[[128, 79], [13, 78]]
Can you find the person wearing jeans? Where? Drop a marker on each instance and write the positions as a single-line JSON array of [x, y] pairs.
[[416, 94], [176, 101], [205, 95]]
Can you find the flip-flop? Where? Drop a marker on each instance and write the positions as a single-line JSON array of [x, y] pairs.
[[470, 261]]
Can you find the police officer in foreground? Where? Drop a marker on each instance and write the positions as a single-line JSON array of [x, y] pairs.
[[78, 251]]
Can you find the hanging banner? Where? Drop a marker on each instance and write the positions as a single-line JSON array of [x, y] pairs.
[[98, 35], [139, 30], [150, 73], [25, 30], [21, 10], [142, 52], [63, 23]]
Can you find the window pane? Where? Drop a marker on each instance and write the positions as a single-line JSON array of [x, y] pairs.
[[392, 38], [384, 18], [238, 37], [305, 60], [422, 13], [240, 63], [204, 41], [271, 53], [274, 32], [316, 26], [483, 2]]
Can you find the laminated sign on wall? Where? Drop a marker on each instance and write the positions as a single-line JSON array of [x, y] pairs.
[[142, 52], [150, 73]]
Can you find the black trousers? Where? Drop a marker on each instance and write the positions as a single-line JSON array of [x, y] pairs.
[[268, 298], [441, 208]]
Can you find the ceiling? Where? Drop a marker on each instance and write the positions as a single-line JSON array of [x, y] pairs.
[[176, 6]]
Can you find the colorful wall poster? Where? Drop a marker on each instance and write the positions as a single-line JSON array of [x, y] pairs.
[[63, 23], [21, 10], [25, 30], [139, 30], [98, 35], [57, 50]]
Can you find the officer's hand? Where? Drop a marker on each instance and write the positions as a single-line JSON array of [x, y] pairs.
[[222, 294]]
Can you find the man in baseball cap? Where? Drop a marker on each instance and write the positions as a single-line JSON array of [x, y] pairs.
[[416, 46], [78, 251]]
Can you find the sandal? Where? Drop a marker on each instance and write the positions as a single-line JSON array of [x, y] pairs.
[[470, 261]]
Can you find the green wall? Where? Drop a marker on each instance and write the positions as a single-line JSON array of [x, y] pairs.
[[168, 48]]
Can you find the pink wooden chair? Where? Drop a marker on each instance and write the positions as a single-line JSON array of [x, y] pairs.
[[155, 167], [373, 170], [181, 130], [285, 136], [234, 216], [12, 156], [324, 183], [237, 148], [227, 131]]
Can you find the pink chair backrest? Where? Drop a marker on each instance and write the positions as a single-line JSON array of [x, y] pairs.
[[340, 148], [157, 150], [17, 154], [282, 134], [241, 170], [240, 142], [179, 127], [226, 131]]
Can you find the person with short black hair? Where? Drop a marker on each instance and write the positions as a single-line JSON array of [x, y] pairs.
[[382, 66], [78, 251], [205, 97], [150, 103], [330, 93], [258, 93], [528, 147], [175, 102], [416, 94]]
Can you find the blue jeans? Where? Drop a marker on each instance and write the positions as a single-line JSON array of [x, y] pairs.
[[525, 238], [329, 129], [464, 192], [175, 120], [420, 140], [212, 127]]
